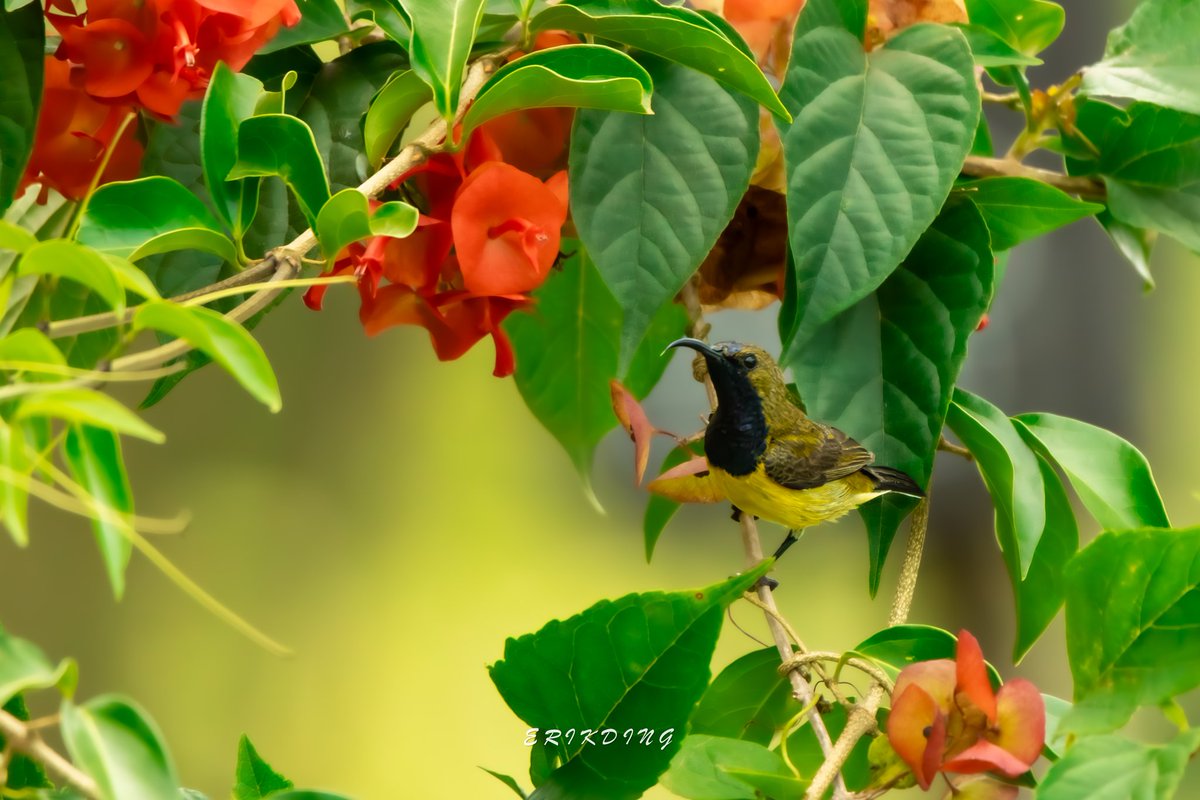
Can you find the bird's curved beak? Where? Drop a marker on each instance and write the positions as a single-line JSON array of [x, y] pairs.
[[697, 345]]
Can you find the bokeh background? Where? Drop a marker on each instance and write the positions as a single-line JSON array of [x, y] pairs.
[[401, 517]]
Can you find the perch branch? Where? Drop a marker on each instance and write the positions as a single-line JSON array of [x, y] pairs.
[[984, 167], [26, 741]]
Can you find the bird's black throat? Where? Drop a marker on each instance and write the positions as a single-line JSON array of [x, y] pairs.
[[736, 437]]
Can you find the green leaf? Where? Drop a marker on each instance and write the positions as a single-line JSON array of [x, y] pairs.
[[1019, 209], [64, 259], [307, 794], [255, 777], [576, 324], [806, 754], [720, 768], [1056, 741], [32, 346], [651, 194], [390, 112], [883, 370], [1153, 57], [878, 140], [320, 21], [276, 144], [442, 34], [660, 510], [119, 746], [507, 780], [898, 646], [346, 218], [223, 340], [15, 238], [23, 667], [23, 772], [991, 50], [93, 456], [672, 32], [577, 76], [1108, 473], [229, 101], [1151, 146], [384, 13], [89, 408], [1116, 768], [334, 108], [1029, 26], [1035, 525], [135, 219], [639, 662], [1135, 243], [749, 700], [22, 33], [1132, 638], [14, 499]]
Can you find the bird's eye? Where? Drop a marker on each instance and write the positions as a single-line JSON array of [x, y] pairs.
[[749, 361]]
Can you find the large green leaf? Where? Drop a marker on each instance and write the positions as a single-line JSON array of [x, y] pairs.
[[722, 768], [23, 666], [442, 34], [22, 33], [639, 662], [93, 456], [221, 339], [883, 370], [255, 778], [1029, 26], [119, 746], [898, 646], [1108, 473], [281, 145], [807, 755], [390, 112], [1019, 209], [1132, 603], [87, 407], [1116, 768], [660, 510], [878, 140], [1153, 57], [320, 20], [672, 32], [1035, 525], [139, 218], [651, 194], [578, 76], [749, 700], [566, 353], [341, 91], [64, 259], [229, 101]]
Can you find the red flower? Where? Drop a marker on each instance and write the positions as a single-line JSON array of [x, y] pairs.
[[73, 133], [946, 718], [506, 227], [160, 52]]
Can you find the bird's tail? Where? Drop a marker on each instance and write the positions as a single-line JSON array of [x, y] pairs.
[[893, 480]]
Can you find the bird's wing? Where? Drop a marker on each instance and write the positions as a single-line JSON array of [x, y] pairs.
[[813, 456]]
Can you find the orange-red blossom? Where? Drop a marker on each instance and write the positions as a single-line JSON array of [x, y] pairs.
[[945, 717]]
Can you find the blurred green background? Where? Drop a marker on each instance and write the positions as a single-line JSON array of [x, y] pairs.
[[401, 517]]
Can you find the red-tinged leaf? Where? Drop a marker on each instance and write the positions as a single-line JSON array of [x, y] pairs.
[[633, 419], [690, 482], [972, 674]]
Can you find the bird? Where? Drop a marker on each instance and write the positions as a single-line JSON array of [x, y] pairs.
[[770, 459]]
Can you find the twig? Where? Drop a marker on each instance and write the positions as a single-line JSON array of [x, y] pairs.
[[21, 739], [947, 446], [800, 688], [861, 718], [984, 167]]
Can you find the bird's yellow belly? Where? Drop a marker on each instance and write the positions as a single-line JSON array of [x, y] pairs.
[[794, 508]]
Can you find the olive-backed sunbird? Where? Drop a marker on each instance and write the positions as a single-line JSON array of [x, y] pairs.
[[769, 459]]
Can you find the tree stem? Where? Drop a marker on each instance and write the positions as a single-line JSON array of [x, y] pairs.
[[984, 167], [25, 741]]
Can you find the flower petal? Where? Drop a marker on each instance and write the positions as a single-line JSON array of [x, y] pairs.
[[936, 677], [916, 729], [985, 756], [1021, 719], [972, 676]]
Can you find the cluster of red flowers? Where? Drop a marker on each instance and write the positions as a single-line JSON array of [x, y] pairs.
[[489, 234], [121, 55]]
